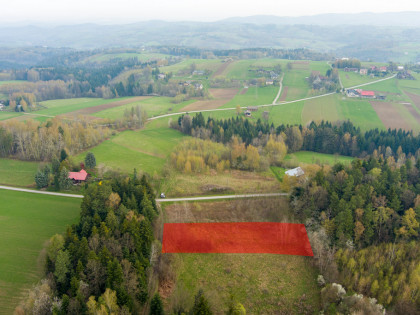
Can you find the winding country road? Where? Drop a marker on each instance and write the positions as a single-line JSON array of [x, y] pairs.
[[272, 104], [158, 200]]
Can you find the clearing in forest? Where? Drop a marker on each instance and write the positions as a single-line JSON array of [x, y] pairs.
[[263, 283]]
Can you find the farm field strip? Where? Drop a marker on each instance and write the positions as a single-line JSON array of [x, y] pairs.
[[221, 97], [390, 115], [236, 237]]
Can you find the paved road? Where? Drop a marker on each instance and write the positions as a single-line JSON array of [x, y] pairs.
[[221, 197], [41, 192]]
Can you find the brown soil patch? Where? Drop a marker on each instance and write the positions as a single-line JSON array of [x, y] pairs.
[[244, 91], [274, 209], [389, 115], [283, 94], [221, 69], [221, 97], [413, 112], [95, 109], [415, 98]]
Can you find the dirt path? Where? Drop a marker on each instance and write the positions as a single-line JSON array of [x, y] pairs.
[[244, 90], [95, 109], [279, 92], [222, 68], [221, 97], [389, 115]]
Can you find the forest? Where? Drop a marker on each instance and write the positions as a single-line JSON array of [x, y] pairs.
[[100, 262], [325, 137], [370, 212]]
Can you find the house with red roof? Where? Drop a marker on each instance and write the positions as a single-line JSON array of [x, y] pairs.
[[367, 94], [78, 177]]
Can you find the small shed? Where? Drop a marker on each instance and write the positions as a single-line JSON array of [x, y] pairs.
[[247, 113], [296, 172], [78, 177]]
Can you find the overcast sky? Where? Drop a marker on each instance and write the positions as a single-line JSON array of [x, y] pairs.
[[119, 11]]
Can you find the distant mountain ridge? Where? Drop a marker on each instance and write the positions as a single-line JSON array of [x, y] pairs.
[[348, 35], [406, 19]]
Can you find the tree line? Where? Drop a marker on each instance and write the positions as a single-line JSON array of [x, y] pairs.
[[325, 137], [33, 141]]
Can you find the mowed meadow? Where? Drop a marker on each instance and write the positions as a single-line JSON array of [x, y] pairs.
[[27, 221], [263, 283]]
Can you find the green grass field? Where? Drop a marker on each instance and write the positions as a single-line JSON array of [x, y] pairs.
[[349, 79], [254, 96], [361, 114], [27, 221], [153, 106], [307, 157], [17, 173], [12, 82], [8, 115], [388, 86], [263, 283], [58, 107], [146, 149], [201, 64]]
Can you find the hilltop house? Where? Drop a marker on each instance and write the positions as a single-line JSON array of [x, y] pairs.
[[78, 177], [366, 94]]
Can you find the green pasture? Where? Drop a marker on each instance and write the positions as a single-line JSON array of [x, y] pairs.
[[153, 106], [17, 173], [58, 107], [361, 114], [201, 64], [8, 115], [322, 108], [307, 157], [349, 79], [146, 149], [12, 82], [254, 96], [388, 86], [27, 221]]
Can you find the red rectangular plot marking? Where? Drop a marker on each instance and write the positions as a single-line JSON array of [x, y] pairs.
[[236, 237]]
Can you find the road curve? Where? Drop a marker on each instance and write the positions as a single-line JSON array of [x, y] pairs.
[[267, 105], [41, 192], [220, 197]]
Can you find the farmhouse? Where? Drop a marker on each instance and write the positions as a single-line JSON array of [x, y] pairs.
[[161, 76], [252, 108], [296, 172], [78, 177], [1, 106], [383, 69], [269, 82], [352, 93], [366, 94], [363, 71]]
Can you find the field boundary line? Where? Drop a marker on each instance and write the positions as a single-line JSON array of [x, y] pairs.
[[221, 197]]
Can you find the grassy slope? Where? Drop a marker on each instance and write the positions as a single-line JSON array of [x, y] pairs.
[[349, 79], [263, 283], [26, 222], [17, 173], [307, 157], [8, 115], [254, 96], [57, 107], [145, 149], [153, 106]]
